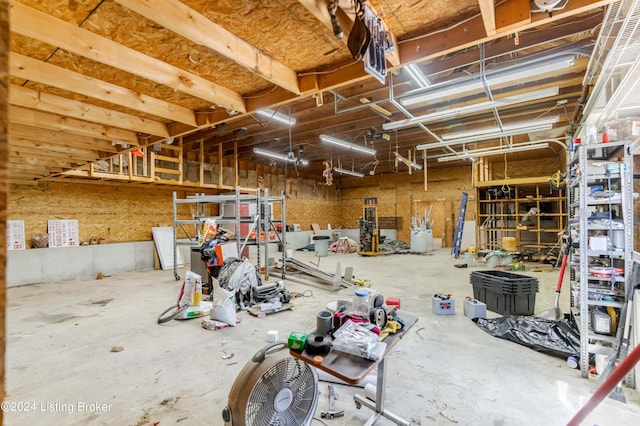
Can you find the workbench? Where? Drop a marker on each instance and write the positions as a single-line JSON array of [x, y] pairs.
[[352, 369]]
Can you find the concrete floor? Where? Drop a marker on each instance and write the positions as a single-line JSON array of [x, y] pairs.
[[445, 371]]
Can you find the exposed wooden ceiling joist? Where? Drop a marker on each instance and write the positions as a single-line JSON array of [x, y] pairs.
[[488, 16], [193, 26], [45, 120], [80, 75], [472, 32], [40, 26], [51, 75], [59, 138], [47, 102]]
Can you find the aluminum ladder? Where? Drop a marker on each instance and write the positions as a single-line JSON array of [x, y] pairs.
[[457, 238]]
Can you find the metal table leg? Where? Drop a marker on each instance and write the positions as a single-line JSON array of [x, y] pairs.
[[378, 407]]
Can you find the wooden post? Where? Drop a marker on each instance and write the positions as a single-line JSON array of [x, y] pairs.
[[201, 169], [4, 176], [220, 176], [236, 165], [424, 167]]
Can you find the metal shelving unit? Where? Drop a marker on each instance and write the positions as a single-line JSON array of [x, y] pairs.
[[260, 223], [601, 214], [613, 76]]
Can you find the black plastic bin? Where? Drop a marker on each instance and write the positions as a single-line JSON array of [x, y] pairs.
[[506, 304], [505, 292]]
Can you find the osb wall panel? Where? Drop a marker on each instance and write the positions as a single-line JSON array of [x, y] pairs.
[[396, 195], [407, 18], [121, 213], [526, 168], [110, 213], [306, 212]]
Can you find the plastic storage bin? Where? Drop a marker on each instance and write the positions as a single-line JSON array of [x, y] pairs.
[[505, 292]]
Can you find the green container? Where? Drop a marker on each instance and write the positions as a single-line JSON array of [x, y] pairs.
[[297, 341]]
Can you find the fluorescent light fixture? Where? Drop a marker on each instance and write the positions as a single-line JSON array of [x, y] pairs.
[[279, 156], [348, 172], [534, 126], [347, 145], [535, 69], [521, 126], [485, 137], [482, 106], [520, 73], [494, 151], [406, 161], [278, 116], [417, 75]]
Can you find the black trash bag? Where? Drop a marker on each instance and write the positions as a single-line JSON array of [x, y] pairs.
[[558, 338]]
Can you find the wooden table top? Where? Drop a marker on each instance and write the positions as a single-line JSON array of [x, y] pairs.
[[352, 368]]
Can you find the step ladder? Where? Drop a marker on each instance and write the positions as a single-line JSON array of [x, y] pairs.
[[457, 238]]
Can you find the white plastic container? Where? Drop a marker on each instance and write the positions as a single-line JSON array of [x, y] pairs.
[[421, 241]]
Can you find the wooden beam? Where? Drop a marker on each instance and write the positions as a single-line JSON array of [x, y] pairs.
[[40, 26], [47, 102], [48, 163], [318, 8], [38, 153], [44, 149], [55, 137], [45, 120], [414, 51], [488, 16], [183, 20], [51, 75], [472, 32]]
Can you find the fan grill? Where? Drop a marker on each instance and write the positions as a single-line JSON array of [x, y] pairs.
[[288, 373]]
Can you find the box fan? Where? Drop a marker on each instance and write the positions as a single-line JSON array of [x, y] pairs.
[[273, 389]]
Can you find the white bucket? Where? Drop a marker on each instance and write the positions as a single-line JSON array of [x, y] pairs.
[[470, 259], [421, 241], [289, 253]]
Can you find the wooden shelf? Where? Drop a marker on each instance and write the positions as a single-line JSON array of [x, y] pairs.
[[509, 214]]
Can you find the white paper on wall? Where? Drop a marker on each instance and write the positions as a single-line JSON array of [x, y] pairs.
[[63, 233], [15, 235]]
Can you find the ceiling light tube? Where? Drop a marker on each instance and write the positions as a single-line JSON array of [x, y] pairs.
[[348, 172], [482, 106], [520, 73], [500, 150], [406, 161], [535, 69], [485, 137], [278, 116], [279, 156], [443, 90], [417, 75], [347, 145], [506, 128]]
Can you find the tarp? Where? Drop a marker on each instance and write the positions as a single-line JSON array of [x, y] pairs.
[[558, 338]]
